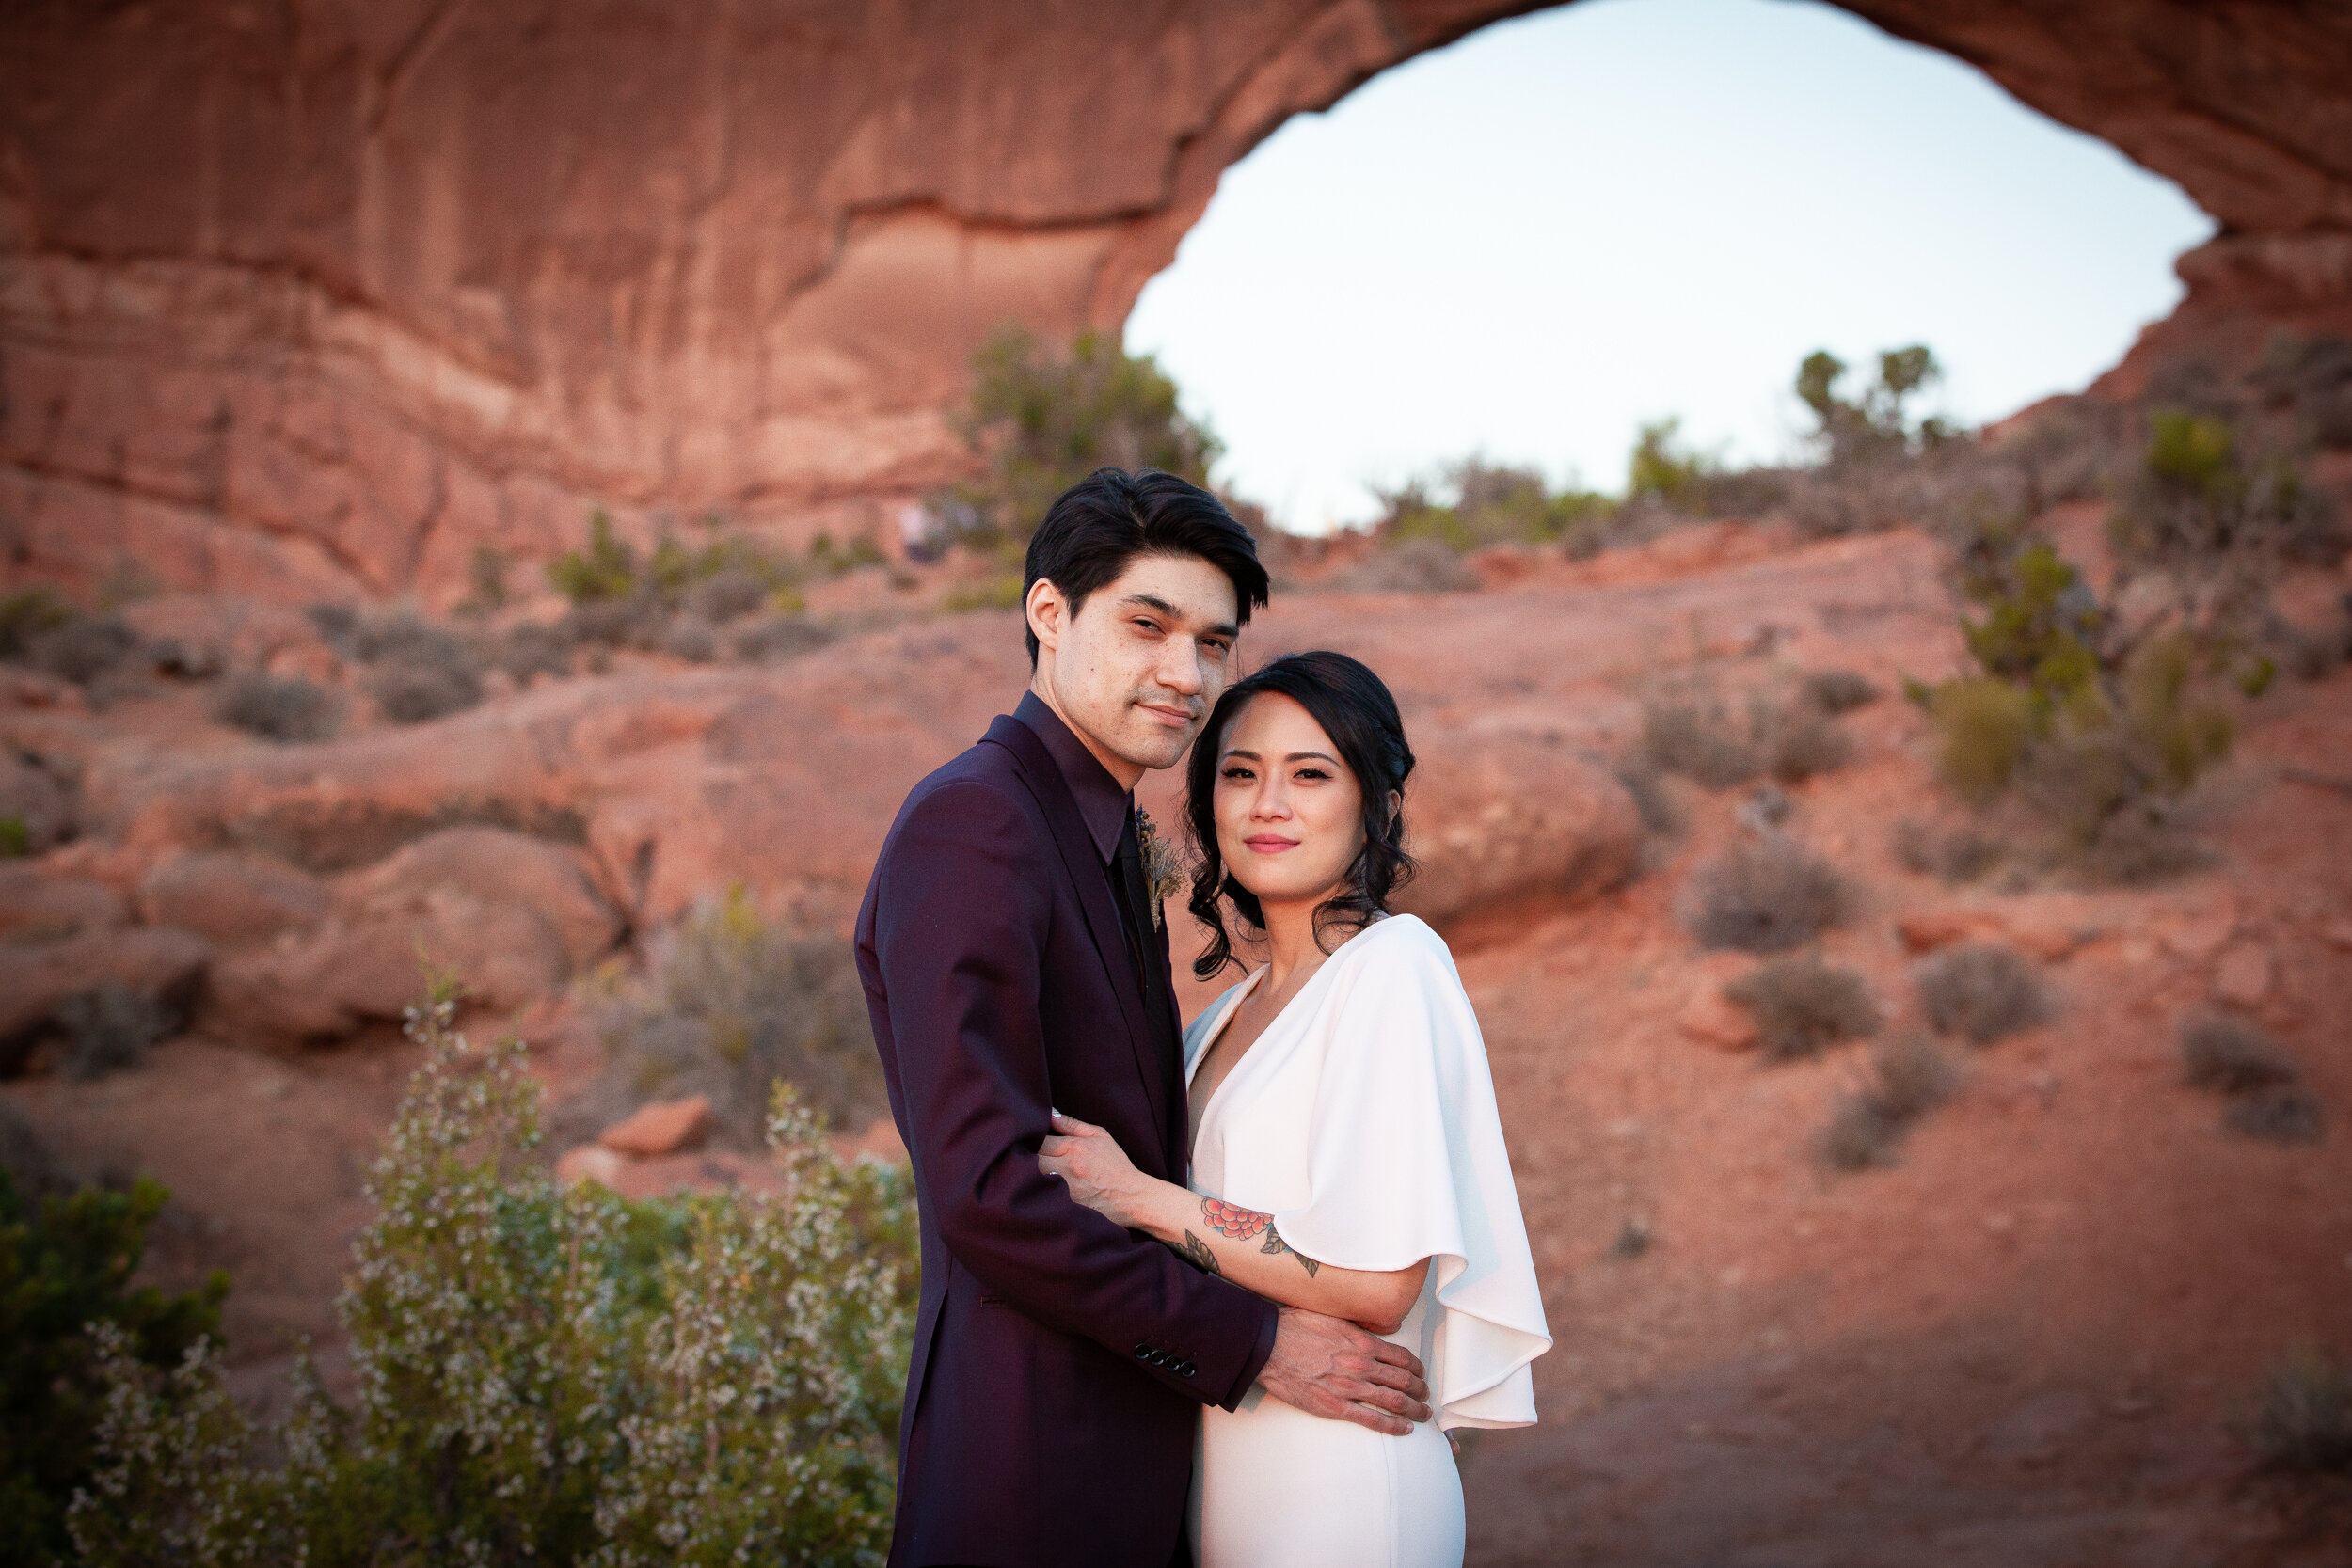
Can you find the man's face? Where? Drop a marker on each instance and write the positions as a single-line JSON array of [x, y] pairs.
[[1137, 669]]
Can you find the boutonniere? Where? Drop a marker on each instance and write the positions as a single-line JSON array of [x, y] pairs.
[[1162, 872]]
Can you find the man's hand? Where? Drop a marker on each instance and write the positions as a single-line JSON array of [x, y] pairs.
[[1335, 1370]]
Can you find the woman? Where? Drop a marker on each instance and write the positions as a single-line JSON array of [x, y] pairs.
[[1347, 1155]]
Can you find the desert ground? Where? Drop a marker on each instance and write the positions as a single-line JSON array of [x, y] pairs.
[[2032, 1335]]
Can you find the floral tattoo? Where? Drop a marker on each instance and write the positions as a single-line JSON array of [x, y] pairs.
[[1235, 1223], [1196, 1252], [1233, 1220]]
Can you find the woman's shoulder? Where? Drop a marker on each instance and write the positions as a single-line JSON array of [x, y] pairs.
[[1394, 940], [1396, 953]]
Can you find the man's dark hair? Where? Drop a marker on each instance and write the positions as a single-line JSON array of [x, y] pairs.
[[1100, 524]]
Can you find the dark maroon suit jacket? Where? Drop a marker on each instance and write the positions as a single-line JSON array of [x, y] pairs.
[[1060, 1360]]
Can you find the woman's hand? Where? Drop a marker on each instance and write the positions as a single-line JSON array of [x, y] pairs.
[[1096, 1170]]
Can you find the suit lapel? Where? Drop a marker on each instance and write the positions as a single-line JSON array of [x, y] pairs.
[[1076, 848]]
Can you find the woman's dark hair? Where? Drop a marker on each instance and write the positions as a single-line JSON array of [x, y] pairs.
[[1356, 710], [1106, 519]]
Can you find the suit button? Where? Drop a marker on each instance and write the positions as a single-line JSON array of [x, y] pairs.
[[1185, 1370], [1143, 1352]]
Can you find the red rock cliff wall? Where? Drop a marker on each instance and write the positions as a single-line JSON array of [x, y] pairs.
[[315, 299]]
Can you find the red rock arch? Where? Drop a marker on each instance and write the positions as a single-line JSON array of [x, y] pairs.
[[316, 299]]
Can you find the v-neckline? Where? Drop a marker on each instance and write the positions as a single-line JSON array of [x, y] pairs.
[[1232, 1005]]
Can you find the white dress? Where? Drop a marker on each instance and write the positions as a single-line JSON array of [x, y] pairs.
[[1363, 1121]]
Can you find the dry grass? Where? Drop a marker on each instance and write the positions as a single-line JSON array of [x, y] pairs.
[[1840, 691], [2232, 1057], [1801, 1005], [2287, 1114], [1767, 896], [1963, 854], [1694, 734], [1795, 741], [108, 1029], [2302, 1423], [735, 1003], [1982, 993], [1909, 1077], [280, 710]]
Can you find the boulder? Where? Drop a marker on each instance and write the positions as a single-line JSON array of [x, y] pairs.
[[659, 1175], [1709, 1017], [663, 1127], [1506, 825], [232, 900], [2243, 976], [35, 907], [152, 960], [497, 866], [330, 979]]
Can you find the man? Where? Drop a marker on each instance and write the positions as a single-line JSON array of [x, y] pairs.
[[1016, 964]]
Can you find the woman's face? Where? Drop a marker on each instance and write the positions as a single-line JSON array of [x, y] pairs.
[[1290, 816]]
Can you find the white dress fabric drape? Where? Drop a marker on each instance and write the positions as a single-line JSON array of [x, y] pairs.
[[1363, 1119]]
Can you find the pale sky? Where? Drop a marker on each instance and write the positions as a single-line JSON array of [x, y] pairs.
[[1527, 243]]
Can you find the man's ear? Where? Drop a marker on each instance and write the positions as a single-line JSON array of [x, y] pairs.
[[1045, 608]]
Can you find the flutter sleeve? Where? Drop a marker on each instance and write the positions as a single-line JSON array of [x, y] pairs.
[[1406, 1161]]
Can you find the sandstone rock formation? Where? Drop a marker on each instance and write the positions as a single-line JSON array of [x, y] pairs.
[[316, 303]]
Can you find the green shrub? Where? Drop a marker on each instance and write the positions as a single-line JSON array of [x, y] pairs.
[[606, 568], [1878, 423], [1985, 726], [1801, 1005], [66, 1263], [1663, 469], [1045, 421], [27, 612], [2101, 724], [550, 1374], [16, 836]]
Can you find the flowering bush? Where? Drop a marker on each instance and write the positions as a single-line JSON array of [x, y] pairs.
[[547, 1373]]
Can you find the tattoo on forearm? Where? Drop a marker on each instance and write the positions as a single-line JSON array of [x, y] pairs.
[[1232, 1220], [1274, 1243], [1235, 1223], [1196, 1252]]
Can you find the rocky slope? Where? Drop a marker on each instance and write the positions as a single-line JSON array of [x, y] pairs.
[[2022, 1341]]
